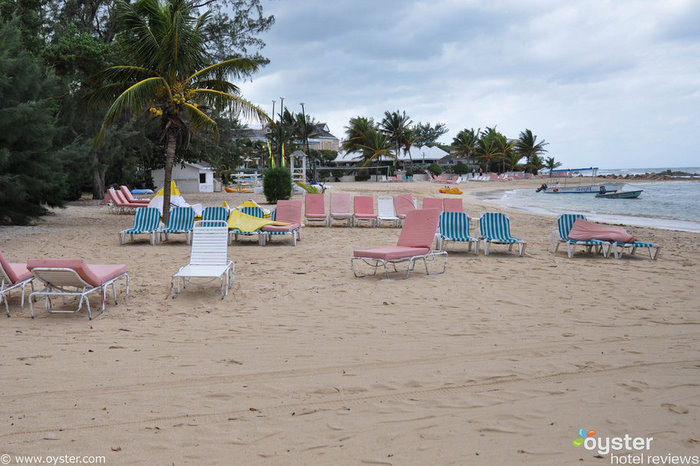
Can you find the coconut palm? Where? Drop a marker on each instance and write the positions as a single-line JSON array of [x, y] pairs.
[[464, 143], [374, 145], [170, 76], [527, 146], [356, 132], [550, 163], [397, 127]]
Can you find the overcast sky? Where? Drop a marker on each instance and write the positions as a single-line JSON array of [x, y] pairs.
[[612, 84]]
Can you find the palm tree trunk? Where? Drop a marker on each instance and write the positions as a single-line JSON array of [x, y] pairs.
[[168, 174]]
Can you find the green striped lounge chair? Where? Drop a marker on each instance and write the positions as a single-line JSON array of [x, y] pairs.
[[255, 212], [652, 247], [214, 213], [181, 220], [495, 229], [454, 226], [146, 222], [561, 235]]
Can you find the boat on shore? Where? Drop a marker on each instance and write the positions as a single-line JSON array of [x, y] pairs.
[[564, 179], [621, 194]]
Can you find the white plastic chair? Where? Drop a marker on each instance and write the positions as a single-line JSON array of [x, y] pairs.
[[385, 210], [208, 259]]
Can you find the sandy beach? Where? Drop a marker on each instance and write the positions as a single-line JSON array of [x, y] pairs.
[[501, 360]]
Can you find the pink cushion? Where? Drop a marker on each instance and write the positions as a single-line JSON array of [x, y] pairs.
[[453, 205], [289, 211], [340, 204], [94, 274], [583, 230], [364, 207], [15, 272], [129, 198], [432, 203], [391, 252], [419, 228], [285, 228], [403, 203], [315, 206]]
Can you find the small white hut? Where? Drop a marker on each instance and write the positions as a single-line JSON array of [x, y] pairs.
[[189, 177]]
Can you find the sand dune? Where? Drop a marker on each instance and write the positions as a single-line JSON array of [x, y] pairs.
[[498, 361]]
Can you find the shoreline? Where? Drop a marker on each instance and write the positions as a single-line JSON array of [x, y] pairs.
[[500, 360]]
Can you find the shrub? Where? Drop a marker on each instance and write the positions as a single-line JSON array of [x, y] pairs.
[[362, 177], [435, 169], [277, 184], [461, 168]]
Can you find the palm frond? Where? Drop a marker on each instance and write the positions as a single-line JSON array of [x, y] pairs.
[[200, 119], [235, 67], [238, 105]]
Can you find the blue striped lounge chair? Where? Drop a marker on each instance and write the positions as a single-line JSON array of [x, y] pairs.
[[215, 213], [146, 222], [652, 247], [181, 220], [454, 226], [255, 212], [495, 229], [564, 224]]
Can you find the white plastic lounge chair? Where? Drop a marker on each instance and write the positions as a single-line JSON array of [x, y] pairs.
[[495, 229], [181, 220], [386, 212], [146, 222], [208, 259], [341, 208], [561, 235], [454, 226], [415, 243], [13, 275], [652, 247], [286, 211], [363, 210], [73, 277], [315, 208]]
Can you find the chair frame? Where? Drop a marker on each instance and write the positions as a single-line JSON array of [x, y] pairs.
[[556, 238], [4, 291], [78, 287], [375, 263], [442, 237], [225, 271], [506, 241], [633, 247], [155, 234]]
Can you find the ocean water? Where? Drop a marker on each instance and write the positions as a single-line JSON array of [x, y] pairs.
[[672, 205]]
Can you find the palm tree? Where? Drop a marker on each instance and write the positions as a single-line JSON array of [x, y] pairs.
[[356, 132], [170, 76], [397, 126], [527, 146], [534, 164], [464, 143], [550, 163], [374, 145]]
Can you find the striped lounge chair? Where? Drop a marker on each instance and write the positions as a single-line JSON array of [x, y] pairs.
[[146, 222], [495, 229], [254, 212], [652, 247], [454, 226], [181, 220], [215, 213], [561, 235]]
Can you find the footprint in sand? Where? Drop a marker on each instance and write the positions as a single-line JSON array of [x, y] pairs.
[[675, 408]]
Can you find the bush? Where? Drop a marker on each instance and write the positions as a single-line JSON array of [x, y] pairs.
[[363, 177], [277, 184], [461, 169], [435, 169]]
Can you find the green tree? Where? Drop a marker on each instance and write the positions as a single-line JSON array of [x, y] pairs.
[[169, 76], [427, 135], [397, 127], [31, 178], [527, 146], [534, 164], [356, 133], [550, 163], [464, 144]]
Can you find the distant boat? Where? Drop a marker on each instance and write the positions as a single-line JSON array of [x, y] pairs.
[[565, 185], [621, 194]]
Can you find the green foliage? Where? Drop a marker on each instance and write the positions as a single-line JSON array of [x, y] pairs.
[[308, 188], [461, 168], [277, 184], [435, 169], [427, 135], [30, 176]]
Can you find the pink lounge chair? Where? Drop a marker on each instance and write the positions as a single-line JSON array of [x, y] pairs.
[[13, 275], [341, 208], [73, 277], [453, 204], [403, 204], [432, 203], [121, 204], [287, 211], [364, 210], [415, 242], [130, 198], [315, 208]]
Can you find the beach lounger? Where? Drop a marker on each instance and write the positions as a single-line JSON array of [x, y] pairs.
[[363, 210], [564, 224], [415, 243], [341, 208], [495, 229], [432, 203], [404, 203], [454, 226], [315, 208], [286, 211], [386, 212], [120, 205], [181, 220], [208, 258], [257, 212], [215, 213], [73, 277], [12, 276], [453, 204], [618, 237], [130, 198], [146, 222], [653, 248]]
